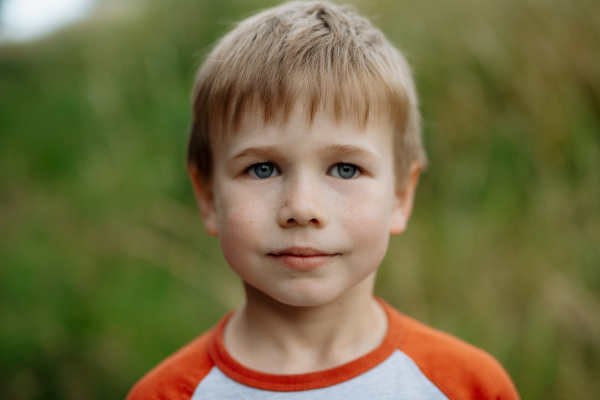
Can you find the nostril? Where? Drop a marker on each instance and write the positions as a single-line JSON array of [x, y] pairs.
[[290, 220], [314, 220]]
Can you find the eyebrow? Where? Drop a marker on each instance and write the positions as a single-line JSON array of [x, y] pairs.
[[342, 150], [260, 151], [350, 150]]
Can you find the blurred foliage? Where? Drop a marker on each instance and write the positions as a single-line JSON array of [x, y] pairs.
[[105, 268]]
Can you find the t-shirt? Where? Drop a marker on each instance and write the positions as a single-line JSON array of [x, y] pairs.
[[414, 361]]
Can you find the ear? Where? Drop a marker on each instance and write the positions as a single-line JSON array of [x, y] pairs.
[[403, 202], [206, 201]]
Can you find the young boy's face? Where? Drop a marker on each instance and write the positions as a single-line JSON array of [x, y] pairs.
[[304, 212]]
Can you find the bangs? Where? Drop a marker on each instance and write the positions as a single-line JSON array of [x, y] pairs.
[[342, 71], [317, 82], [310, 54]]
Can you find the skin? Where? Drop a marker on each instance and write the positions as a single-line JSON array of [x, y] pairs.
[[305, 241]]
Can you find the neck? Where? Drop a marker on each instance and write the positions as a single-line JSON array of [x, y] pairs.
[[273, 337]]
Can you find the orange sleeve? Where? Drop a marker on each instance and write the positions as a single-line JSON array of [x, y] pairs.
[[460, 370], [176, 377]]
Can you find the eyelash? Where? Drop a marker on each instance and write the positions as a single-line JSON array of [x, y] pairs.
[[249, 168], [359, 170]]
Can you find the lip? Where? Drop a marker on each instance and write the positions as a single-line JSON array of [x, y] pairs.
[[302, 258]]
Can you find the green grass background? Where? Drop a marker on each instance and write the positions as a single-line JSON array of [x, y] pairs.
[[104, 265]]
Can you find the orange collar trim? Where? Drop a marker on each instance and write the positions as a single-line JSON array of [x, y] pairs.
[[312, 380]]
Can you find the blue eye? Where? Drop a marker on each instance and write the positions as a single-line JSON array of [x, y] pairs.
[[263, 170], [344, 171]]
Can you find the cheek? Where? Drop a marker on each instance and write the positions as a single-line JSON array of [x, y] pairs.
[[242, 222], [368, 212], [367, 221]]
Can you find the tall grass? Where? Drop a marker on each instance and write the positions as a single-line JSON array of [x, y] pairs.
[[104, 265]]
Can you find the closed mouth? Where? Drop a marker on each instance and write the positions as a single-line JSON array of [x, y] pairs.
[[303, 258], [300, 252]]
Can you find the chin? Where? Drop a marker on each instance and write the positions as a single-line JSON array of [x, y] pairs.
[[304, 295]]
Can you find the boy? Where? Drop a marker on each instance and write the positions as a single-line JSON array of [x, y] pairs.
[[304, 154]]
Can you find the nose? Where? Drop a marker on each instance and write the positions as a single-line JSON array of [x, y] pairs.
[[302, 206]]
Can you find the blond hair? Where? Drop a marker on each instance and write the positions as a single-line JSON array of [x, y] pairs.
[[317, 52]]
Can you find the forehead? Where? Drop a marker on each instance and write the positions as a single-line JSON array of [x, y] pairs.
[[303, 112], [300, 131]]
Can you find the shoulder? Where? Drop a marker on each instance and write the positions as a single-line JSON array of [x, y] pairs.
[[178, 375], [458, 369]]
